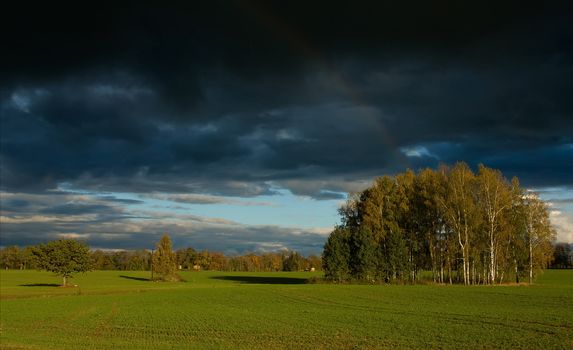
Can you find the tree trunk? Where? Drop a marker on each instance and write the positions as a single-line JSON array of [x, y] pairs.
[[473, 272], [491, 259], [65, 281], [516, 272], [412, 263], [449, 270], [464, 257], [530, 260], [432, 257]]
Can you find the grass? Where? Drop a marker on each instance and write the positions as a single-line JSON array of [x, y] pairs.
[[123, 310]]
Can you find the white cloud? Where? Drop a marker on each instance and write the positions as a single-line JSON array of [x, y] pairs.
[[45, 219], [206, 199], [23, 99], [21, 102], [324, 189], [563, 223], [288, 135], [82, 236], [416, 151]]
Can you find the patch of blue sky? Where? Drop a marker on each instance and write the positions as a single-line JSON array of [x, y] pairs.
[[282, 209], [560, 197]]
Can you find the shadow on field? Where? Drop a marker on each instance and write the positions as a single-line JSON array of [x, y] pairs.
[[40, 285], [134, 278], [261, 280]]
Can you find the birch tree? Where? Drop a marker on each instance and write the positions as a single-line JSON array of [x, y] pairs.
[[428, 189], [538, 232], [461, 210], [494, 200]]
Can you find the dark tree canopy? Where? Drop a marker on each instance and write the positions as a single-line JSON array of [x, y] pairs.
[[462, 226], [63, 257]]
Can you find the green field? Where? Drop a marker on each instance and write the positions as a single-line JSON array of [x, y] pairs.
[[121, 310]]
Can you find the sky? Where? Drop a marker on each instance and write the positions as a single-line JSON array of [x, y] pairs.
[[241, 126]]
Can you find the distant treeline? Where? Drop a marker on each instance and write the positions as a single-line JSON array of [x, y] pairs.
[[562, 256], [464, 227], [14, 257]]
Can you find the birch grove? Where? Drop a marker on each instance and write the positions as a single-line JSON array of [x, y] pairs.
[[463, 227]]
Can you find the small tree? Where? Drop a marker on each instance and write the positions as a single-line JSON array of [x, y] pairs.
[[63, 257], [164, 260], [294, 262], [539, 233]]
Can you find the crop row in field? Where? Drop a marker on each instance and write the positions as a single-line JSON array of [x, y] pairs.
[[254, 310]]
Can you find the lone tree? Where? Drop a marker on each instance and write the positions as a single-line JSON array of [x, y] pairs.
[[164, 260], [63, 257]]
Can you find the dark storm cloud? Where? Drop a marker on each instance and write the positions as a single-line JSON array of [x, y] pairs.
[[234, 98], [76, 209], [26, 208]]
